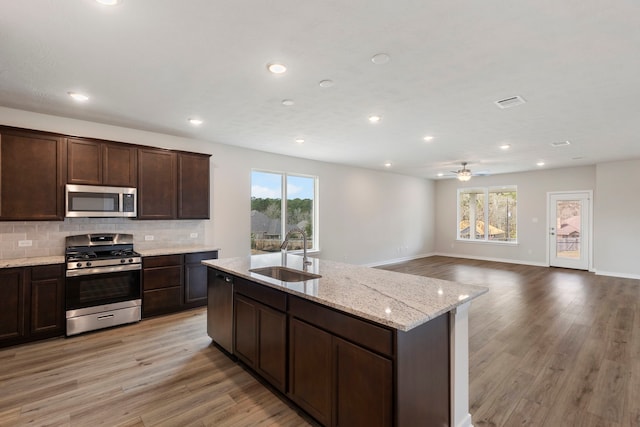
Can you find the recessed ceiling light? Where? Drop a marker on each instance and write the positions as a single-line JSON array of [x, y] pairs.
[[505, 146], [300, 140], [540, 164], [196, 122], [326, 83], [109, 2], [375, 118], [276, 68], [428, 138], [380, 58], [80, 97], [440, 174], [288, 102], [387, 165]]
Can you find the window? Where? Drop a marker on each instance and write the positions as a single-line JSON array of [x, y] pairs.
[[496, 207], [272, 194]]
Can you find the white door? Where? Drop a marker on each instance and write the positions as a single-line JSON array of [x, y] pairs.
[[569, 230]]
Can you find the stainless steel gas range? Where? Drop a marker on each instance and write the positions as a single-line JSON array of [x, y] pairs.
[[103, 283]]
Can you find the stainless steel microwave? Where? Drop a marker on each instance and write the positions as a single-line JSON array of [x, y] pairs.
[[100, 201]]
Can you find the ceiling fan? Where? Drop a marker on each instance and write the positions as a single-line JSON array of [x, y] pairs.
[[463, 174]]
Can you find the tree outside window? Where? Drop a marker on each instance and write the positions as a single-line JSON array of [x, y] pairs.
[[488, 214], [273, 193]]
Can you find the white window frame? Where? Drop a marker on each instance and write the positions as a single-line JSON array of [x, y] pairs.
[[485, 191], [315, 240]]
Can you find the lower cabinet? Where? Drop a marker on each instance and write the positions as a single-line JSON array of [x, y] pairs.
[[261, 338], [337, 382], [174, 282], [31, 303]]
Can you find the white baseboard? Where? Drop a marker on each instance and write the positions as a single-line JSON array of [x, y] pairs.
[[505, 260], [616, 274], [397, 260]]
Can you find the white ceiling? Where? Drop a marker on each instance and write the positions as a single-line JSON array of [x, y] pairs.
[[152, 64]]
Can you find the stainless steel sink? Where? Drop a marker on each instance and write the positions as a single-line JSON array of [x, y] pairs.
[[285, 274]]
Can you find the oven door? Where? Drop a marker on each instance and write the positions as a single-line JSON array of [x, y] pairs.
[[102, 286]]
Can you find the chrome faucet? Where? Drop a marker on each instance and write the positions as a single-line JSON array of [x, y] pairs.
[[285, 243]]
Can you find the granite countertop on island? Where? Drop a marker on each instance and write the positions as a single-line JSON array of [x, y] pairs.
[[398, 300], [171, 250]]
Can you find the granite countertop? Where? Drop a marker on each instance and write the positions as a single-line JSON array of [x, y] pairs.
[[170, 250], [398, 300], [28, 262]]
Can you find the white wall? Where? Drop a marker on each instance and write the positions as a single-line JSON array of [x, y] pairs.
[[532, 213], [366, 217], [617, 215]]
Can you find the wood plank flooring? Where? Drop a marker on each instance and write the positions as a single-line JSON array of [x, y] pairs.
[[548, 347]]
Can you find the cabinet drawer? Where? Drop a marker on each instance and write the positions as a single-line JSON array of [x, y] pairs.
[[43, 272], [161, 261], [161, 300], [163, 277], [195, 258], [263, 294], [355, 330]]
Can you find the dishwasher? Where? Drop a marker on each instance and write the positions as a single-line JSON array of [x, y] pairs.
[[220, 308]]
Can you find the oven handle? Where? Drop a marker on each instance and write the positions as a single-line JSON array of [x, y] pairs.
[[101, 270]]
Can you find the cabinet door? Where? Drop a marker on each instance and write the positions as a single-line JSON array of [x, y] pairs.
[[245, 319], [32, 167], [193, 186], [119, 165], [12, 305], [47, 300], [272, 346], [157, 175], [310, 370], [364, 387], [84, 162], [195, 278]]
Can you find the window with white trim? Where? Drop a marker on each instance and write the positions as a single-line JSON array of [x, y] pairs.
[[273, 193], [488, 214]]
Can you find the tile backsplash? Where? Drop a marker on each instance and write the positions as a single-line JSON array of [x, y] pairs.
[[47, 237]]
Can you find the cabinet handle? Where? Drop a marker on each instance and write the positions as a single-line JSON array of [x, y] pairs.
[[106, 316]]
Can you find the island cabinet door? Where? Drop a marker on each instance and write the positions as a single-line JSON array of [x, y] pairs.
[[364, 387], [311, 370], [246, 316]]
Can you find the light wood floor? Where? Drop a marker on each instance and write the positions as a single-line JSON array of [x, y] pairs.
[[548, 347]]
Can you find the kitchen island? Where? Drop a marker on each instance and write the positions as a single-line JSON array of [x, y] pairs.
[[354, 346]]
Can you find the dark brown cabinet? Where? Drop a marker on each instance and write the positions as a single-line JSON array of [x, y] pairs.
[[95, 162], [174, 282], [193, 186], [162, 279], [32, 167], [12, 305], [261, 339], [157, 184], [31, 303], [338, 382], [195, 278]]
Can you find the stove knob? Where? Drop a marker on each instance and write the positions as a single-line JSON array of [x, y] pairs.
[[122, 261], [88, 263], [130, 259], [79, 265]]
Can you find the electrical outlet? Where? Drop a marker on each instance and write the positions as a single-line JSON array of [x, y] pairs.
[[23, 243], [148, 237], [194, 235]]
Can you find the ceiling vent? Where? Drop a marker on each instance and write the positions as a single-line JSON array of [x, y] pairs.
[[510, 102], [560, 144]]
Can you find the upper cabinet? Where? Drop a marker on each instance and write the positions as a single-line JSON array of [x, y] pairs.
[[157, 184], [32, 168], [193, 186], [101, 163]]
